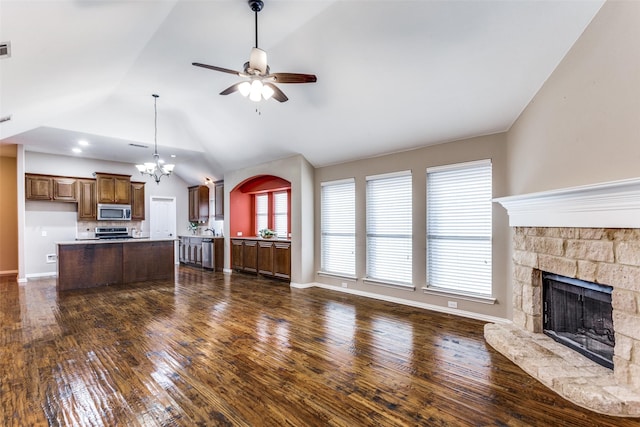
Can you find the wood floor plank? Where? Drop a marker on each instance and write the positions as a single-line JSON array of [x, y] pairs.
[[210, 349]]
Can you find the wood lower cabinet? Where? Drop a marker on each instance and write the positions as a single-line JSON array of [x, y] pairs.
[[147, 261], [87, 205], [265, 257], [250, 256]]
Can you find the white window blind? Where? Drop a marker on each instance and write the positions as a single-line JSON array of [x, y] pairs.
[[281, 214], [459, 228], [389, 228], [262, 211], [338, 227]]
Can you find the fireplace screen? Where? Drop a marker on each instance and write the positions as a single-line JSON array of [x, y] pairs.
[[578, 314]]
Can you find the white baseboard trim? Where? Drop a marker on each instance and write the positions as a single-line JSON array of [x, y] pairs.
[[302, 285], [440, 309], [37, 275], [227, 271]]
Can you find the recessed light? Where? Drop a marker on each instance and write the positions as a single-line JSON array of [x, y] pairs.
[[76, 150], [83, 142]]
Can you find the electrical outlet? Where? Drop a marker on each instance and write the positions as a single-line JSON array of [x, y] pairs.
[[51, 258], [44, 233], [344, 284], [239, 233], [452, 304]]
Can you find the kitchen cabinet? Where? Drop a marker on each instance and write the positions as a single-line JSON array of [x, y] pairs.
[[100, 263], [50, 187], [65, 189], [87, 205], [113, 188], [218, 188], [199, 203], [271, 258], [236, 254], [137, 201], [38, 187], [190, 251]]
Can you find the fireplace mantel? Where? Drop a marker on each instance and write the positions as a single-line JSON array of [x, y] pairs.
[[613, 204]]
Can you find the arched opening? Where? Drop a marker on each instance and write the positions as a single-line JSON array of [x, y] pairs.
[[262, 201]]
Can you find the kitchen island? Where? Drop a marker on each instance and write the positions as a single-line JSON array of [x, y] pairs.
[[92, 263]]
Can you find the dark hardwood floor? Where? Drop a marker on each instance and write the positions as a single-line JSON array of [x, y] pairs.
[[234, 350]]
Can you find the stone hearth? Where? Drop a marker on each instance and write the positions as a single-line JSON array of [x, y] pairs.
[[608, 253]]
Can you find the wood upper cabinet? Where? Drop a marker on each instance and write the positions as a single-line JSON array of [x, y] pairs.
[[49, 187], [137, 201], [199, 203], [65, 189], [113, 188], [87, 205], [38, 187], [218, 189]]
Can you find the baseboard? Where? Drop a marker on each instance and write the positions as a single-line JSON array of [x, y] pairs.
[[302, 285], [37, 275], [227, 271], [438, 308], [8, 272]]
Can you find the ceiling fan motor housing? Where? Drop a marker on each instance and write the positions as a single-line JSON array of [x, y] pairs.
[[256, 5]]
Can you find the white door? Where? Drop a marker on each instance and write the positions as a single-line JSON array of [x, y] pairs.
[[162, 223]]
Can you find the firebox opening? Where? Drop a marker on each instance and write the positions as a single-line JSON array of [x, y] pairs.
[[578, 314]]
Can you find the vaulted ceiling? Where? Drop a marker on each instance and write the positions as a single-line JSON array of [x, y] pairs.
[[392, 75]]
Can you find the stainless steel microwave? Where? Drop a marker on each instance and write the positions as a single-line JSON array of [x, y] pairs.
[[114, 212]]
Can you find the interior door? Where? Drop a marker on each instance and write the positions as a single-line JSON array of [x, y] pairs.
[[163, 217]]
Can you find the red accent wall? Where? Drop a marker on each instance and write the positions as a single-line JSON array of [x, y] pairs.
[[241, 200]]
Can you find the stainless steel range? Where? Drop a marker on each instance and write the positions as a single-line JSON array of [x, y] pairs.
[[112, 233]]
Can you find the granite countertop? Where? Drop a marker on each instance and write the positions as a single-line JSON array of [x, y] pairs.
[[107, 241], [273, 239]]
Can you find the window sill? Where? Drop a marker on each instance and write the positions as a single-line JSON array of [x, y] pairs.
[[459, 295], [402, 286], [337, 275]]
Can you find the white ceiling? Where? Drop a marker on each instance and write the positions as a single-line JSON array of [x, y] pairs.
[[392, 75]]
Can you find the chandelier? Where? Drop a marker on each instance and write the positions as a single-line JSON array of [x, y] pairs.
[[156, 169]]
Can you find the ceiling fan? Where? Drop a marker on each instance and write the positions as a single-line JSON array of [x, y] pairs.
[[260, 83]]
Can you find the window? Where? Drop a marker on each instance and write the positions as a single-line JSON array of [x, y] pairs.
[[338, 227], [459, 228], [389, 228], [281, 214], [262, 211]]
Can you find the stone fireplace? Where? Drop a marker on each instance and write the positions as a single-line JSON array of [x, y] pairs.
[[591, 234]]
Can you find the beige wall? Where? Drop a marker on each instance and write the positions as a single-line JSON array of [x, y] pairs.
[[488, 147], [583, 126], [299, 172], [8, 215]]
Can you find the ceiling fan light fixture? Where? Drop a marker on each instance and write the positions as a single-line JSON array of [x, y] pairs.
[[244, 88], [267, 92], [256, 91]]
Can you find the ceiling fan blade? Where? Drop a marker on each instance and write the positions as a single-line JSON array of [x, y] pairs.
[[294, 78], [258, 60], [213, 67], [278, 95], [231, 89]]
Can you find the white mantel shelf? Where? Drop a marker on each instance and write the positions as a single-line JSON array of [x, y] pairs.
[[613, 204]]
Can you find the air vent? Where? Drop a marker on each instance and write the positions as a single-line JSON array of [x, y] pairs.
[[5, 49], [5, 119], [139, 145]]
